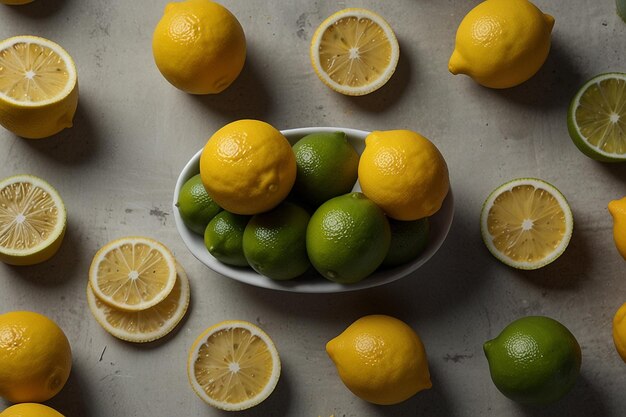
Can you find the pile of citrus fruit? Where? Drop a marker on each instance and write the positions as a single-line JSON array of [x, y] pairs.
[[281, 209]]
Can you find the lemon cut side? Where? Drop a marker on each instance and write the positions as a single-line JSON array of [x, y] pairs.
[[354, 51], [526, 223], [233, 365], [32, 220], [38, 87], [597, 118], [132, 273], [146, 325]]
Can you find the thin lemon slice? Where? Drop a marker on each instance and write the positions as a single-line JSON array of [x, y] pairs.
[[354, 51], [132, 273], [596, 119], [233, 365], [32, 220], [38, 87], [147, 325], [526, 223]]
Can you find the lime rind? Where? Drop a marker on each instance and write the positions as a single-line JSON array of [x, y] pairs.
[[621, 9], [508, 186], [577, 137]]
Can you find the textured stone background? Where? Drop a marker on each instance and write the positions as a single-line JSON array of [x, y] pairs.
[[133, 133]]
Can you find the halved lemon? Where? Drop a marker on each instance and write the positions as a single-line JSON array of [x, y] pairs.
[[38, 87], [354, 51], [32, 220], [233, 365], [147, 325], [596, 119], [526, 223], [132, 273]]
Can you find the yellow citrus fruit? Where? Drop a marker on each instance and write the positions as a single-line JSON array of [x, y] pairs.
[[146, 325], [526, 223], [30, 410], [248, 167], [502, 43], [617, 208], [233, 365], [38, 87], [35, 357], [32, 220], [403, 173], [380, 359], [619, 331], [354, 51], [16, 2], [132, 273], [199, 46]]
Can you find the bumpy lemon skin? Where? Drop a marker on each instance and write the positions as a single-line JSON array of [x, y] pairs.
[[502, 43], [199, 46], [619, 331], [617, 208], [248, 167], [404, 174], [35, 357], [30, 410], [380, 359]]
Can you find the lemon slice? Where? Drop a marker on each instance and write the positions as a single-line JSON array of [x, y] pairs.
[[233, 365], [132, 273], [32, 220], [147, 325], [596, 118], [526, 223], [38, 87], [354, 52]]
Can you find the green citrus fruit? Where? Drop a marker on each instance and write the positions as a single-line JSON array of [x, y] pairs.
[[223, 238], [327, 166], [535, 360], [347, 238], [274, 242], [596, 119], [195, 206], [408, 240]]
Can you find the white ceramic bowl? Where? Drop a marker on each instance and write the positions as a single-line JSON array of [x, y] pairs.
[[312, 282]]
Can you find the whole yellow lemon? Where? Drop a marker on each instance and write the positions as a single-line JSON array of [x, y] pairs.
[[502, 43], [380, 359], [403, 173], [617, 208], [619, 331], [199, 46], [35, 357], [248, 167], [30, 410]]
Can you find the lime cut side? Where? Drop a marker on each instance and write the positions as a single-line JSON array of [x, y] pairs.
[[526, 223], [597, 118]]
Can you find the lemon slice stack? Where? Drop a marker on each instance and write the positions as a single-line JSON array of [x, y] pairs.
[[137, 292]]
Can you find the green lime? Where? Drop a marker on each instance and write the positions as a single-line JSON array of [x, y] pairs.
[[195, 206], [596, 119], [348, 237], [274, 242], [408, 240], [621, 9], [327, 166], [535, 360], [223, 238]]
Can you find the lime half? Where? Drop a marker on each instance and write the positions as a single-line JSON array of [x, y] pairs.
[[597, 118], [526, 223]]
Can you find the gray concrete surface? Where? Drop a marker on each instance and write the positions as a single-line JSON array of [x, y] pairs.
[[133, 133]]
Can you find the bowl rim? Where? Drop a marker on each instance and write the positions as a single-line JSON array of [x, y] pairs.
[[440, 222]]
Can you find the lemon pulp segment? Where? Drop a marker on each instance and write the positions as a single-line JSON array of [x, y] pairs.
[[145, 325], [234, 367], [526, 223], [354, 51], [32, 220], [133, 273], [33, 73], [601, 115]]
